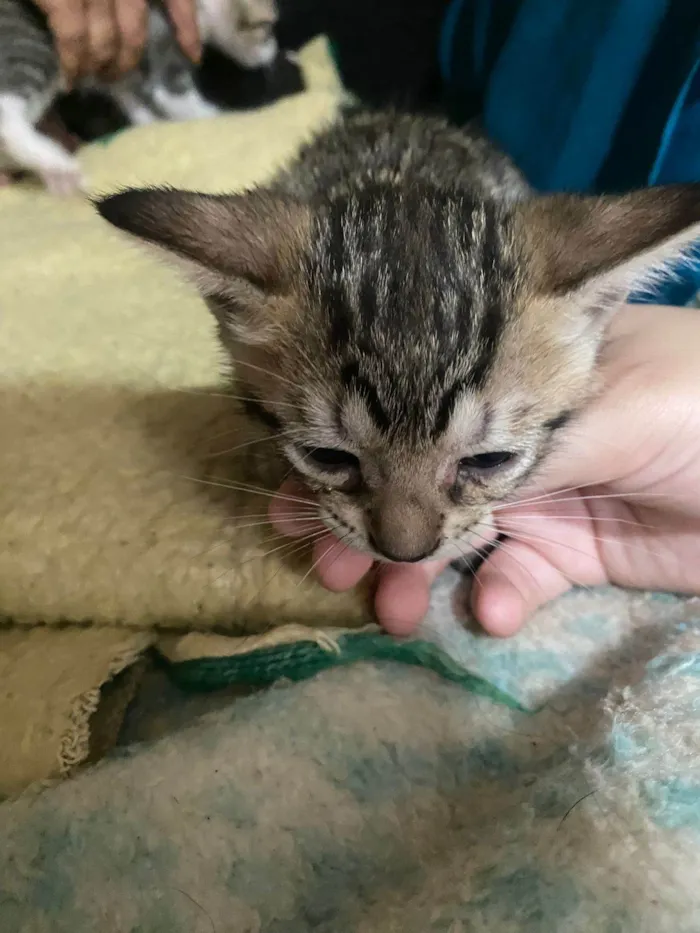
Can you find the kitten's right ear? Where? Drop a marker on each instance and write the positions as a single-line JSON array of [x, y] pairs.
[[595, 250], [238, 250]]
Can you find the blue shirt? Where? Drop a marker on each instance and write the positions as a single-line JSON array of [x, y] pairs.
[[586, 95]]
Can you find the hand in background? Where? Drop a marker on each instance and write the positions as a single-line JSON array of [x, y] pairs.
[[105, 38], [618, 502]]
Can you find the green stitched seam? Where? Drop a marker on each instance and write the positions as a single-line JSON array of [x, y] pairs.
[[305, 659]]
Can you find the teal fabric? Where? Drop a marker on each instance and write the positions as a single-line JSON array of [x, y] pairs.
[[305, 659], [591, 97], [562, 80], [381, 798]]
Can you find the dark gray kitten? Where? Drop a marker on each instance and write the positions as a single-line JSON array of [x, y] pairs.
[[415, 323], [163, 87]]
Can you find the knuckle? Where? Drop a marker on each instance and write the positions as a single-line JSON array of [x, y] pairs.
[[69, 34], [133, 40], [127, 63], [103, 47]]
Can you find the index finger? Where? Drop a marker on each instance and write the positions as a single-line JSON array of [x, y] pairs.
[[183, 16], [132, 20], [69, 26]]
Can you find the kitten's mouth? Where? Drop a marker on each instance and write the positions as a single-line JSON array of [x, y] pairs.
[[467, 550], [386, 556]]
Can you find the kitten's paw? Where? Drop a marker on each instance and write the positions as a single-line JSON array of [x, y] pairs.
[[64, 180], [189, 105]]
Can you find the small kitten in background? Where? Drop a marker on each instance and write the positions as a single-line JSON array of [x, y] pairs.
[[162, 88], [413, 322]]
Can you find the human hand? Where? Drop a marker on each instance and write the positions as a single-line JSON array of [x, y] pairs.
[[618, 501], [105, 38]]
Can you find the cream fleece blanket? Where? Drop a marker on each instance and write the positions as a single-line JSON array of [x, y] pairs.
[[109, 428], [112, 421]]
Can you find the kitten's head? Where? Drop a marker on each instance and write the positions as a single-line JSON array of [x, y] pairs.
[[241, 29], [415, 350]]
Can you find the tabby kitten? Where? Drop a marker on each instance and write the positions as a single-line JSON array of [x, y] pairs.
[[412, 320], [163, 87]]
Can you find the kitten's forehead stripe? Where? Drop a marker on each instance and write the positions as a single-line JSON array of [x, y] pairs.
[[488, 327], [412, 284], [355, 382], [445, 409], [330, 284]]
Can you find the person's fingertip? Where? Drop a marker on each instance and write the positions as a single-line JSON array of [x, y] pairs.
[[193, 50], [291, 519], [512, 584], [191, 43], [403, 597], [293, 487], [499, 609], [132, 18], [293, 510], [70, 68], [184, 21], [339, 567], [431, 569], [127, 61]]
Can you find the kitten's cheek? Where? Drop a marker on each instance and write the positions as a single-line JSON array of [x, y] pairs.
[[339, 566]]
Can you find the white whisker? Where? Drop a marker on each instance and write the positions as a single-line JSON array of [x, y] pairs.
[[550, 495], [509, 529], [303, 518], [503, 545], [552, 499], [465, 555], [293, 514], [311, 517], [205, 393], [295, 543], [318, 560], [266, 372], [256, 440], [243, 487], [538, 516]]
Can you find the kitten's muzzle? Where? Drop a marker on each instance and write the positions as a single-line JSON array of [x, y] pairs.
[[404, 528]]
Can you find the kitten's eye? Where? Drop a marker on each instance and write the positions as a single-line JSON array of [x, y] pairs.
[[487, 461], [329, 458]]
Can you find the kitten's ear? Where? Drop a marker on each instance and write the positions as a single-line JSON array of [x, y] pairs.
[[238, 250], [597, 249]]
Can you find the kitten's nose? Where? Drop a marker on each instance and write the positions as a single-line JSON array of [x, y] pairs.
[[404, 531], [401, 558]]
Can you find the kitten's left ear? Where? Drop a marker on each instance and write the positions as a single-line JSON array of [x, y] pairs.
[[238, 250], [595, 250]]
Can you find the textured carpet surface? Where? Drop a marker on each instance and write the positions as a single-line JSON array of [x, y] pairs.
[[381, 798]]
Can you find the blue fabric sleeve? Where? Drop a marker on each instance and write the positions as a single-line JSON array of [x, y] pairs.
[[593, 97]]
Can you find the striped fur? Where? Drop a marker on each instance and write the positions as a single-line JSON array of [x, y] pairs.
[[415, 323], [28, 63]]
